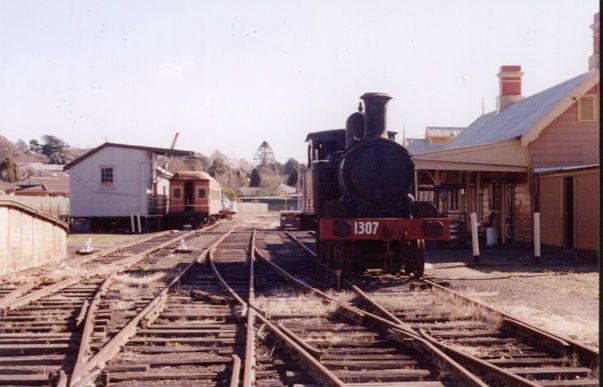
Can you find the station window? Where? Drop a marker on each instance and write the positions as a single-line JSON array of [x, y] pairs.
[[201, 194], [177, 193], [107, 177]]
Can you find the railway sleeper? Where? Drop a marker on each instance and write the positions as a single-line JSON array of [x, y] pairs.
[[551, 372], [32, 349], [133, 365], [392, 375], [164, 376], [219, 350], [30, 369], [184, 333], [27, 360], [398, 384], [25, 380], [360, 364], [527, 361], [587, 382]]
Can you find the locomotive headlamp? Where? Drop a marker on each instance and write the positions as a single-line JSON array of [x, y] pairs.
[[342, 228], [433, 228]]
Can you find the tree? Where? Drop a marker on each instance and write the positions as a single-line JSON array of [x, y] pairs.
[[9, 171], [264, 155], [256, 179], [218, 167], [290, 166], [55, 149], [22, 146], [35, 146], [292, 179]]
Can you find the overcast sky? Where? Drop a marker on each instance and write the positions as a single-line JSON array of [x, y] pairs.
[[230, 74]]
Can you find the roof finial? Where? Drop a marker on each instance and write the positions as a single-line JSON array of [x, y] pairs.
[[360, 107]]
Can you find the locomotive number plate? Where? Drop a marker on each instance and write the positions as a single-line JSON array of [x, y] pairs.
[[383, 228], [365, 228]]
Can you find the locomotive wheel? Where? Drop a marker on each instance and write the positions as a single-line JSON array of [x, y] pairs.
[[414, 257], [394, 259], [342, 258]]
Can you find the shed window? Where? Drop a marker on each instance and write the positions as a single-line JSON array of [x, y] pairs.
[[177, 193], [587, 108], [107, 177], [201, 193]]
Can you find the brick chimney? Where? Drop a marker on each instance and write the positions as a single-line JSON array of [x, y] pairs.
[[510, 86], [593, 60]]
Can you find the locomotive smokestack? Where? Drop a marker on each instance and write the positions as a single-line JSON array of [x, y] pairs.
[[375, 114]]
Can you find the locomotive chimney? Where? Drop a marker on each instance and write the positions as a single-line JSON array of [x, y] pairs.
[[354, 127], [510, 86], [375, 114]]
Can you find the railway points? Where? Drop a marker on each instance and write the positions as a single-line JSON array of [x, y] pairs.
[[251, 306]]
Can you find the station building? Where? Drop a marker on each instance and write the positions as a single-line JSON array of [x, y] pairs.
[[532, 154]]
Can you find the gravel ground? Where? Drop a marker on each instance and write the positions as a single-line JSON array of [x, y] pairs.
[[559, 294]]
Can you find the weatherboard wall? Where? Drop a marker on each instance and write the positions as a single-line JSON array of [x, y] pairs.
[[566, 141], [29, 238], [128, 195]]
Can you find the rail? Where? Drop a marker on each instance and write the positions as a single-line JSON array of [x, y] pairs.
[[585, 354], [469, 378], [84, 373]]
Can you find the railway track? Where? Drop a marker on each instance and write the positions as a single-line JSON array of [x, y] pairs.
[[254, 308], [42, 330], [498, 347]]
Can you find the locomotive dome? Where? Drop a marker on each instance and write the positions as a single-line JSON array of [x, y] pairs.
[[378, 171]]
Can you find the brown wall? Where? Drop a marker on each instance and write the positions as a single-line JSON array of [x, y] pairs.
[[566, 141], [586, 186], [522, 210], [586, 209], [550, 200]]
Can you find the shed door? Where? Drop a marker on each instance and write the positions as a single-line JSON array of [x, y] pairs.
[[568, 212], [188, 196]]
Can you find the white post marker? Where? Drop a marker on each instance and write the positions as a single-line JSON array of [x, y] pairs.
[[537, 236], [132, 223], [474, 239], [139, 227]]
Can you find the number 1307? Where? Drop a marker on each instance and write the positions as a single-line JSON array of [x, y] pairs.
[[366, 228]]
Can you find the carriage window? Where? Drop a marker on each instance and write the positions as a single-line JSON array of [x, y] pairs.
[[107, 177], [201, 193], [176, 192]]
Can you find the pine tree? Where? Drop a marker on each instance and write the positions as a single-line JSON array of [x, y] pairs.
[[264, 155], [255, 179], [292, 179]]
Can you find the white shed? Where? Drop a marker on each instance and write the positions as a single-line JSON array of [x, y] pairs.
[[112, 182]]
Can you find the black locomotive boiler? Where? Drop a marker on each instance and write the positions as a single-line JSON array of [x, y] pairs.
[[358, 195]]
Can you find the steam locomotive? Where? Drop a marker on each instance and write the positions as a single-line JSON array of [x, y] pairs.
[[358, 196]]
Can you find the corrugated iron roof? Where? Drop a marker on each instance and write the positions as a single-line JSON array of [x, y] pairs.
[[443, 131], [546, 170], [517, 118], [161, 151], [421, 145]]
